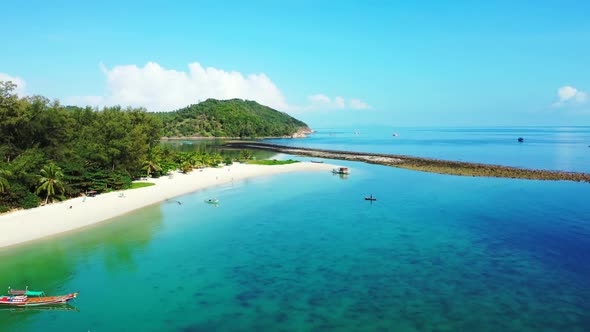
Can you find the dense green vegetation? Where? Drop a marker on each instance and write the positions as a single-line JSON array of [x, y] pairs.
[[272, 162], [50, 152], [229, 118]]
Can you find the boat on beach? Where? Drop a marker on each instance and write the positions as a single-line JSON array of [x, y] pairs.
[[27, 298]]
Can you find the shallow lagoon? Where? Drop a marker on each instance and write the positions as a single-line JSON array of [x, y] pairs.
[[305, 252]]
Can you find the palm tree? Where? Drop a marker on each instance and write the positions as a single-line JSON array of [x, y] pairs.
[[215, 159], [51, 181], [202, 159], [152, 164], [186, 167], [4, 175], [245, 155]]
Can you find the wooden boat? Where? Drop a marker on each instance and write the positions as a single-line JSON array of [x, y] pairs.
[[370, 198], [340, 170], [27, 301], [61, 307], [26, 292]]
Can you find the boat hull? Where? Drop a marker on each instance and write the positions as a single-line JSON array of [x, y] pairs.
[[37, 301]]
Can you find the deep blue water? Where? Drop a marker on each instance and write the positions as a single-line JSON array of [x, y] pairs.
[[306, 252]]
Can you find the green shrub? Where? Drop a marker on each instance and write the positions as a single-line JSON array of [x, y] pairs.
[[4, 208], [30, 201]]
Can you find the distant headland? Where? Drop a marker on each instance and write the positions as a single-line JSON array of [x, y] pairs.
[[234, 118], [422, 164]]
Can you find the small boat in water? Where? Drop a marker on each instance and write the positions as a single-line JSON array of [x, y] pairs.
[[317, 161], [341, 170], [395, 134], [212, 201], [370, 198], [26, 292], [27, 298]]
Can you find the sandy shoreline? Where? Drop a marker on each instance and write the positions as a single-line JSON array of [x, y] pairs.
[[33, 224]]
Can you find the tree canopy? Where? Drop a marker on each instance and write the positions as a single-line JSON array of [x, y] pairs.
[[50, 152], [229, 118], [55, 151]]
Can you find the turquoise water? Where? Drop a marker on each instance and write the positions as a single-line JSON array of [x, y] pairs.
[[554, 148], [306, 252]]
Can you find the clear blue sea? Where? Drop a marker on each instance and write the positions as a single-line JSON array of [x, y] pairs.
[[306, 252], [553, 148]]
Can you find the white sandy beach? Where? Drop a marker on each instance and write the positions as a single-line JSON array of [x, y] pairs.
[[28, 225]]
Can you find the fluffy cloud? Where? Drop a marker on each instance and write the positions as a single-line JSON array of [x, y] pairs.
[[569, 95], [323, 102], [20, 83], [358, 104], [160, 89]]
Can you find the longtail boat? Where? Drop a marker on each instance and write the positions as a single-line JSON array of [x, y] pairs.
[[22, 298], [59, 307], [26, 292]]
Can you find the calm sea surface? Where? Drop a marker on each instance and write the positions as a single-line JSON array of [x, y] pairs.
[[554, 148], [305, 252]]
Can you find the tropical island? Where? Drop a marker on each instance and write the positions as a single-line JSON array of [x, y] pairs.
[[81, 159], [51, 152], [68, 154]]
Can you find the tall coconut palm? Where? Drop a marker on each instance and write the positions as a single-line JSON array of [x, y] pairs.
[[153, 161], [51, 181], [151, 166], [4, 175]]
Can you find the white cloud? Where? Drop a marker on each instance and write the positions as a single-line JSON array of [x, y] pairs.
[[569, 95], [358, 104], [339, 101], [160, 89], [323, 102], [319, 99], [20, 83]]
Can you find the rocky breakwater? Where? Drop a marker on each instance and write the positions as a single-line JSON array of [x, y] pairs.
[[421, 164]]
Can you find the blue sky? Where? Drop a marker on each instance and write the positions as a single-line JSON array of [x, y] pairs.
[[330, 63]]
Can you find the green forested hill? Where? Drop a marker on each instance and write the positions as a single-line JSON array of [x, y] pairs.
[[229, 118]]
